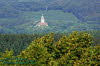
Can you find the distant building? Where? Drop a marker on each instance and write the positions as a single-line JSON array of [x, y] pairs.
[[42, 23]]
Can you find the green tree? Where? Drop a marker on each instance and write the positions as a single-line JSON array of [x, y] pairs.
[[40, 50], [69, 48], [72, 50], [5, 58]]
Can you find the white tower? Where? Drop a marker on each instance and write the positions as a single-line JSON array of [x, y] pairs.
[[42, 19], [42, 23]]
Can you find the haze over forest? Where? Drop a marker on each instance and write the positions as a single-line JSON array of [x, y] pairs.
[[20, 16]]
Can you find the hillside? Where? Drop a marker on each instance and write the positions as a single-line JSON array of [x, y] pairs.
[[18, 15], [84, 10]]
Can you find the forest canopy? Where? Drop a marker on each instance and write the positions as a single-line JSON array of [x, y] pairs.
[[74, 49]]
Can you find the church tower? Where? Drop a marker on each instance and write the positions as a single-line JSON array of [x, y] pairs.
[[42, 19], [42, 23]]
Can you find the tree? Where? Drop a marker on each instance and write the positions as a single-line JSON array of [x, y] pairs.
[[5, 58], [40, 50], [72, 50]]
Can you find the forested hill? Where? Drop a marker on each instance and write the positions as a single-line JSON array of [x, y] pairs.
[[20, 16], [82, 9]]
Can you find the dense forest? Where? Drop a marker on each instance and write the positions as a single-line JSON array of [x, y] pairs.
[[72, 37], [19, 42], [71, 49]]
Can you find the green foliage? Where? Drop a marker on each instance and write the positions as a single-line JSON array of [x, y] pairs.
[[73, 50], [5, 57], [96, 36], [40, 50], [69, 50], [17, 42]]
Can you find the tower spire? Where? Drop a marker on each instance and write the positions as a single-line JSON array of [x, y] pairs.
[[42, 23], [42, 19]]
